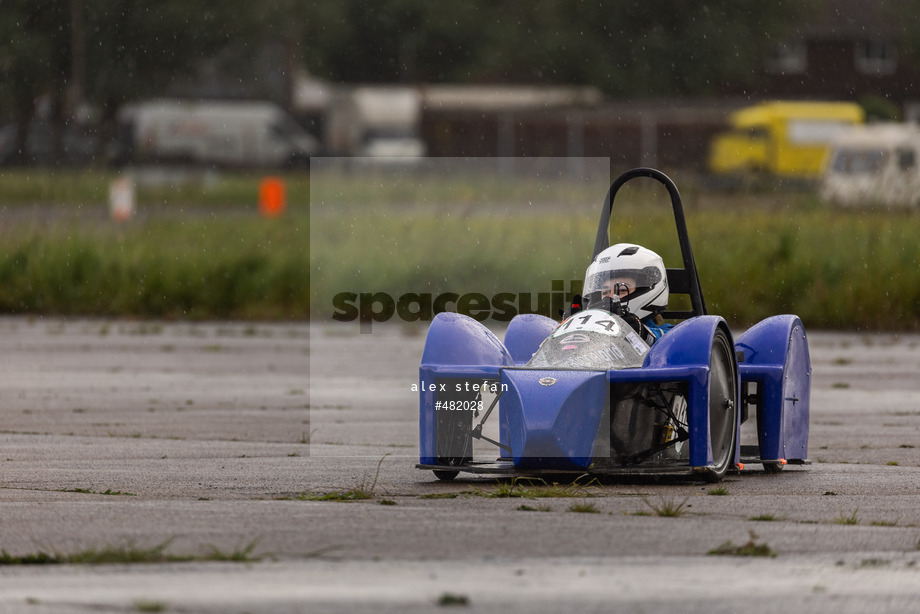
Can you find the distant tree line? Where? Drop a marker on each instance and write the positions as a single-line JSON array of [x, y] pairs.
[[650, 47]]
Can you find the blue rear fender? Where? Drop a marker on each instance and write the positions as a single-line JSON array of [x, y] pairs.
[[457, 346], [777, 361], [683, 354]]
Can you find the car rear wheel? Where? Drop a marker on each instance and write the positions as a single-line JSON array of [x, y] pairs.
[[454, 432], [772, 467], [723, 406], [445, 475]]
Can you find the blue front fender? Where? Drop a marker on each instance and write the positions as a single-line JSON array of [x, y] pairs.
[[457, 346], [685, 352]]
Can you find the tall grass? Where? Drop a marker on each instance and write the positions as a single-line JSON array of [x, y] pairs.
[[220, 268], [835, 269], [199, 250]]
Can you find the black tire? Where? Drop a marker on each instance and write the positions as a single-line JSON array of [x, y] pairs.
[[723, 406], [772, 467], [454, 433]]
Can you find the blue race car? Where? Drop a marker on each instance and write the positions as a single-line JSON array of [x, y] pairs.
[[598, 394]]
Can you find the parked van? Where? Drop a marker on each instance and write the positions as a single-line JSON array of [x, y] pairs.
[[224, 133], [781, 139], [378, 121], [877, 164]]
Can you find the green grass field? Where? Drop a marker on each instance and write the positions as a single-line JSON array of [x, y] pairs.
[[200, 250]]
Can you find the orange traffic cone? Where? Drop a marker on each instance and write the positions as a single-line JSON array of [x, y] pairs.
[[271, 197]]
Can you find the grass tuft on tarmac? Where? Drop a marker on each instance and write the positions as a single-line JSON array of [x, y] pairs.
[[750, 548], [129, 554], [527, 488]]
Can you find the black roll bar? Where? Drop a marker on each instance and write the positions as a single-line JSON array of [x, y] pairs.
[[680, 281]]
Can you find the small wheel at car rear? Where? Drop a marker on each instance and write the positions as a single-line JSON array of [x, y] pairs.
[[723, 406], [446, 475], [772, 467]]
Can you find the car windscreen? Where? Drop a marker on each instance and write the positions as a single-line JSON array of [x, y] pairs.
[[592, 339]]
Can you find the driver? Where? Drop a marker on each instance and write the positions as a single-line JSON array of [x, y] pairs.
[[634, 275]]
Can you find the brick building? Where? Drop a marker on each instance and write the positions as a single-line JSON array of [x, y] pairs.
[[852, 50]]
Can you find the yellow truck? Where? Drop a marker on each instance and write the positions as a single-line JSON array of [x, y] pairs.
[[788, 140]]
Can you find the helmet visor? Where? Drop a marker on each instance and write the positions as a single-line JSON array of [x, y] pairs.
[[621, 282]]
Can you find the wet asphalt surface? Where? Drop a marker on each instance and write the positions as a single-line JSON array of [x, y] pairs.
[[208, 439]]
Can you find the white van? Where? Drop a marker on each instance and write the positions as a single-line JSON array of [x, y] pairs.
[[375, 121], [876, 164], [224, 133]]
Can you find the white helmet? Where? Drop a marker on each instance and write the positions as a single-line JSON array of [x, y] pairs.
[[634, 273]]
